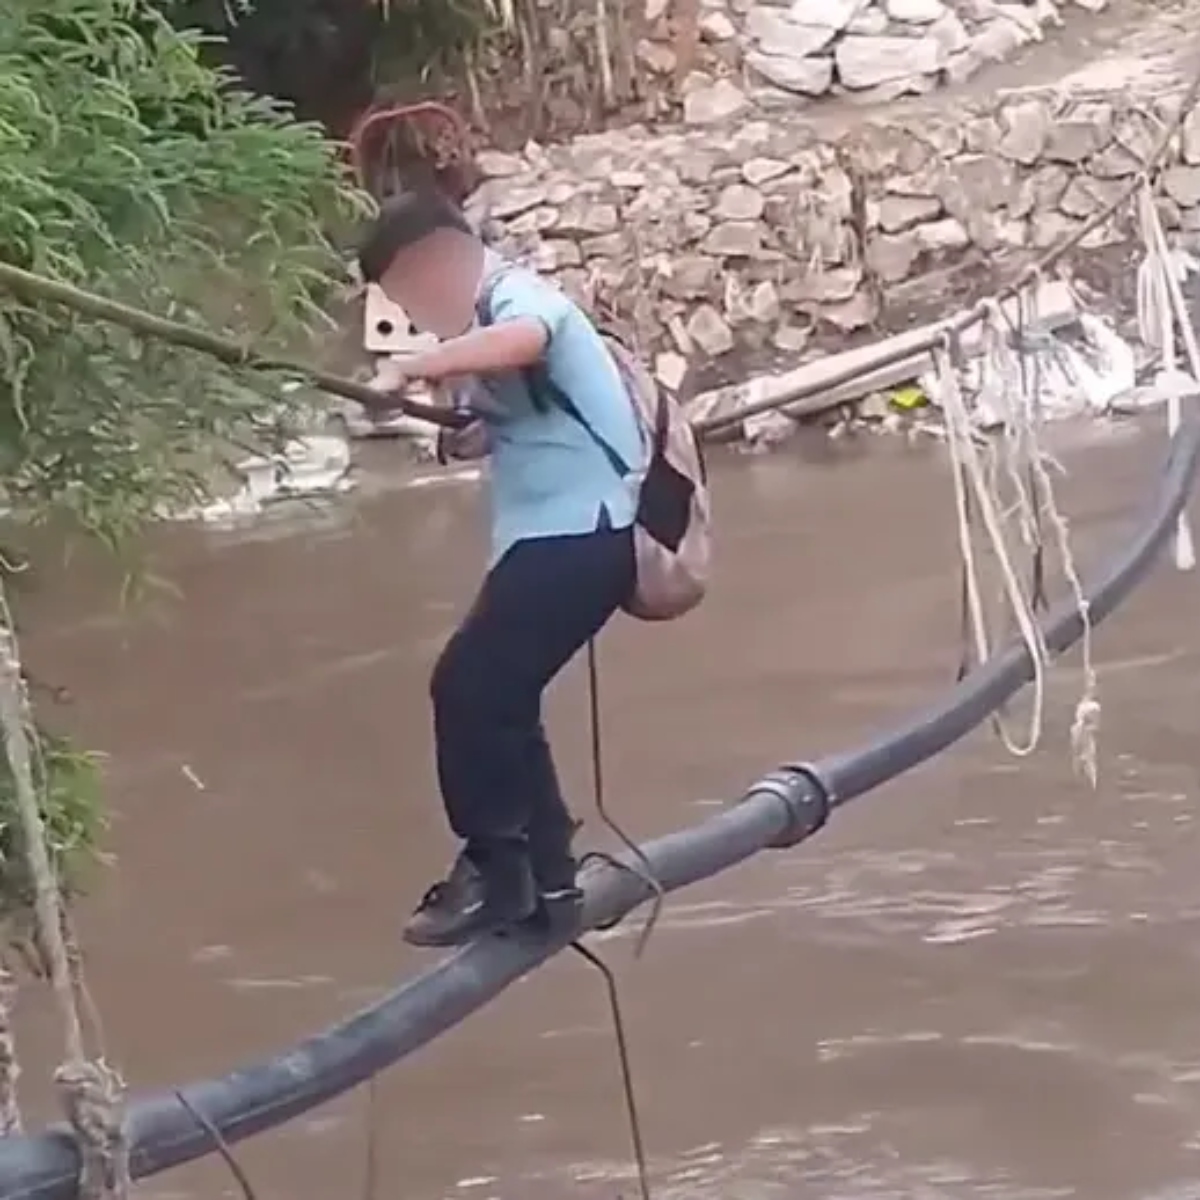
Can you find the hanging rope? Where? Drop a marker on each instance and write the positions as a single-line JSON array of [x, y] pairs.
[[92, 1093], [1156, 314], [625, 1063], [1010, 393], [10, 1069], [640, 866], [971, 480]]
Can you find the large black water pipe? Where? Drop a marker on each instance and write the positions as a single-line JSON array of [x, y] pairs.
[[780, 810]]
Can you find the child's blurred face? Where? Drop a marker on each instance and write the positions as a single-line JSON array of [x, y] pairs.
[[435, 281]]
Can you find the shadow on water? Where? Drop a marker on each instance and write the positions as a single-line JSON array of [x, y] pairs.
[[981, 981]]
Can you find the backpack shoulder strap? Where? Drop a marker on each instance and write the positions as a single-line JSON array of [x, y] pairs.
[[539, 381]]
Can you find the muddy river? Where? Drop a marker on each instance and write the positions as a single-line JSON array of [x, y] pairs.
[[980, 981]]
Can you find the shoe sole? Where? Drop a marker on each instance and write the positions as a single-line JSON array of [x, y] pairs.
[[493, 928]]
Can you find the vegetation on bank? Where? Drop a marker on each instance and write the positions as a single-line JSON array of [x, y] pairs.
[[130, 165], [516, 68]]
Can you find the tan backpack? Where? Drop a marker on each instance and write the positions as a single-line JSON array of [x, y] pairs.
[[672, 527]]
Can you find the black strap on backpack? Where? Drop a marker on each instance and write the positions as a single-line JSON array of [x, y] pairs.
[[543, 390]]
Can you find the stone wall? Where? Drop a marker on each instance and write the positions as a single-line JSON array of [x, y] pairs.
[[766, 53], [736, 244]]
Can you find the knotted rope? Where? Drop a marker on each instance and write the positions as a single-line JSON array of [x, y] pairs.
[[10, 1069], [1016, 459], [91, 1092]]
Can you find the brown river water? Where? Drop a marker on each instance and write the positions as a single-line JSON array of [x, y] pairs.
[[978, 981]]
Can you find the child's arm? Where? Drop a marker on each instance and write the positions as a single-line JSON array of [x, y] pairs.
[[501, 348]]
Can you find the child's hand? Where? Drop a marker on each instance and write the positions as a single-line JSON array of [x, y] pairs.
[[471, 442]]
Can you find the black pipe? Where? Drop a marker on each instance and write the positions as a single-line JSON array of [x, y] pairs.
[[780, 810]]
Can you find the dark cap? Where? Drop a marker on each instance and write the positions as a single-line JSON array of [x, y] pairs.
[[403, 221]]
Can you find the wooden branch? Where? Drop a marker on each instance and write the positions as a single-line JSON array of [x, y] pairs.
[[203, 341]]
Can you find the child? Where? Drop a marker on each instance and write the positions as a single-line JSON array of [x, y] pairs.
[[565, 442]]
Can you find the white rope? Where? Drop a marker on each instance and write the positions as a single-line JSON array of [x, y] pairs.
[[1159, 304], [91, 1091], [970, 472], [1009, 400]]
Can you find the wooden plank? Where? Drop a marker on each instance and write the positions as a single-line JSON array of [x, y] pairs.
[[1056, 307]]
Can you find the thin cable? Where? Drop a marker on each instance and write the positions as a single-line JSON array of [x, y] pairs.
[[631, 1108], [220, 1145], [644, 870]]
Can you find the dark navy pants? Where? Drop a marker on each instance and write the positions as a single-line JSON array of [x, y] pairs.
[[539, 605]]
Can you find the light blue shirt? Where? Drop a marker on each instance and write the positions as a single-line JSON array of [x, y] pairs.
[[548, 475]]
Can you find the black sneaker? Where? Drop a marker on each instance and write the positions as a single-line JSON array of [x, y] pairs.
[[471, 903]]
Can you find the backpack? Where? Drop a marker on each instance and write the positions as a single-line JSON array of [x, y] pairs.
[[671, 531]]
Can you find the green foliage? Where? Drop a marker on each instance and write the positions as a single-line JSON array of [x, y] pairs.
[[72, 810], [130, 166], [328, 57]]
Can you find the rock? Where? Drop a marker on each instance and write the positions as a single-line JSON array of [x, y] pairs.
[[606, 245], [1115, 162], [864, 62], [871, 22], [628, 180], [734, 239], [708, 330], [655, 57], [885, 93], [1047, 229], [717, 27], [1093, 6], [922, 185], [915, 12], [495, 165], [894, 214], [1085, 196], [805, 76], [762, 304], [555, 255], [689, 276], [837, 14], [974, 183], [874, 407], [777, 32], [656, 10], [1041, 190], [1025, 129], [739, 202], [1191, 138], [1107, 233], [511, 202], [757, 171], [950, 34], [587, 219], [1088, 130], [856, 313], [1182, 184], [890, 258], [696, 226], [999, 39], [1024, 17], [942, 235], [716, 102], [960, 67], [696, 165], [1046, 12], [791, 339], [825, 287], [1011, 233], [670, 369]]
